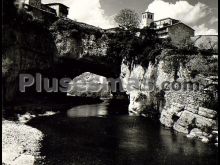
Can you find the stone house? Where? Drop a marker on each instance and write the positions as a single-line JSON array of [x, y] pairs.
[[168, 27], [45, 11], [61, 9]]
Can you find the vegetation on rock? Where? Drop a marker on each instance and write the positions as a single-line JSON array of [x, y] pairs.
[[135, 46]]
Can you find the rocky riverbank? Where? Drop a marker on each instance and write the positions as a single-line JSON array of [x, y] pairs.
[[20, 143], [195, 122]]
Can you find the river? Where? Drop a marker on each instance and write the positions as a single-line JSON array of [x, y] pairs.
[[100, 134]]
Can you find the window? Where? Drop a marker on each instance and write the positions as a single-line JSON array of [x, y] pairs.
[[150, 16]]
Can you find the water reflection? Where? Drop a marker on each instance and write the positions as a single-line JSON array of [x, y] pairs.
[[108, 107], [98, 110], [85, 136]]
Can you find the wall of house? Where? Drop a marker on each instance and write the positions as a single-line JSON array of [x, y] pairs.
[[48, 9], [35, 3], [63, 12], [160, 24], [180, 33], [56, 7]]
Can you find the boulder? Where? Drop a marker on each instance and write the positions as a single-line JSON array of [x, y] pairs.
[[180, 128], [215, 132], [137, 102], [210, 136], [176, 108], [205, 139], [179, 114], [186, 119], [166, 119], [208, 113], [195, 111], [205, 123], [205, 134], [192, 106], [196, 132], [190, 136]]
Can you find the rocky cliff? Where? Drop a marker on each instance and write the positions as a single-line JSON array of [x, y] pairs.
[[27, 48], [183, 97]]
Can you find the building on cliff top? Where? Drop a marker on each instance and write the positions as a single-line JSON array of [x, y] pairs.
[[61, 9], [168, 27], [42, 11]]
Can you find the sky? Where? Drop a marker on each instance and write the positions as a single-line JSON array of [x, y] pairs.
[[201, 15]]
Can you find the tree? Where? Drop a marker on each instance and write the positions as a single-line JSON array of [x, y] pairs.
[[127, 19]]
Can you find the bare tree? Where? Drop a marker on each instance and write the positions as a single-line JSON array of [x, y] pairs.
[[127, 19]]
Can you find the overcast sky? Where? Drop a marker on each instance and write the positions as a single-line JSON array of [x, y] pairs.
[[202, 15]]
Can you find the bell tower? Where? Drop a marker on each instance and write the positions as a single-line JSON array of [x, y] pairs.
[[147, 19]]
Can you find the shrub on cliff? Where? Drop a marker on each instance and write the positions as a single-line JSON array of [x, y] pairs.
[[200, 64], [76, 28]]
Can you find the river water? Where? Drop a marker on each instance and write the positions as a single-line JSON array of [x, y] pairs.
[[100, 134]]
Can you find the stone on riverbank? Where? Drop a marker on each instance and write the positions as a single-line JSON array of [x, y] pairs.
[[20, 143], [208, 113]]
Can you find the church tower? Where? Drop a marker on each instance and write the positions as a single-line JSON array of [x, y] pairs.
[[147, 19]]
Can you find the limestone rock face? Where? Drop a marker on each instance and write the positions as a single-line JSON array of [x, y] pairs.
[[143, 80], [76, 40], [137, 103], [26, 51]]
